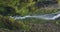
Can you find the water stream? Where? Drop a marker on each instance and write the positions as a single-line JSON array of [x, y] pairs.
[[45, 16]]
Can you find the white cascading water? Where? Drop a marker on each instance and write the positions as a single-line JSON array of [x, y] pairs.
[[46, 16]]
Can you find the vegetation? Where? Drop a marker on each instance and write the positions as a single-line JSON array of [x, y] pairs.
[[28, 7]]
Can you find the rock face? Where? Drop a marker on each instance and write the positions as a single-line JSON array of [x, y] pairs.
[[45, 3], [46, 27]]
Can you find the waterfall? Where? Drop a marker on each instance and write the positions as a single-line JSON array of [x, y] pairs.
[[46, 16]]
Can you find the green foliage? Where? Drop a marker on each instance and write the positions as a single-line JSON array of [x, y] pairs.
[[11, 24], [6, 10], [22, 8]]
